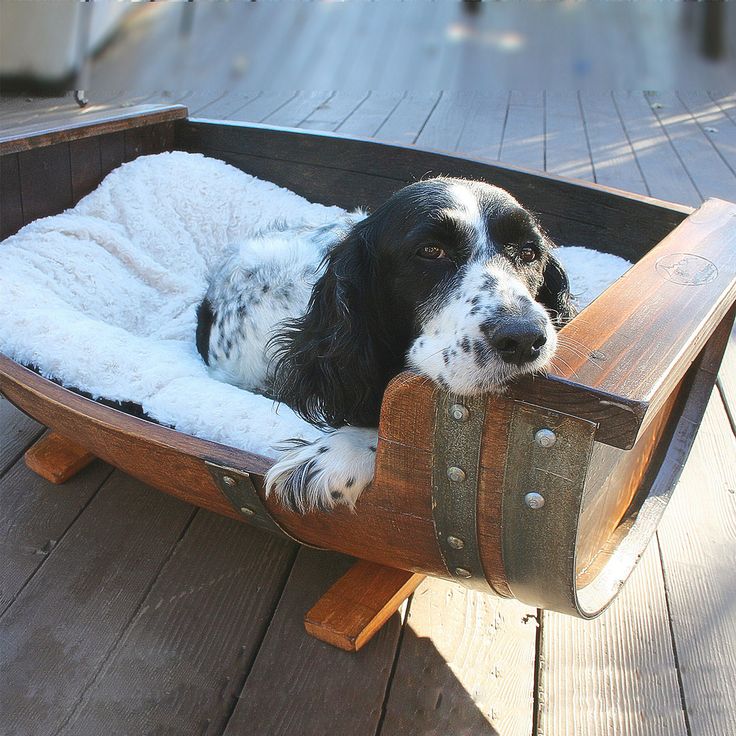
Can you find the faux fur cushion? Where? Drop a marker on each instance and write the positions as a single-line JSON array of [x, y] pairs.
[[103, 297]]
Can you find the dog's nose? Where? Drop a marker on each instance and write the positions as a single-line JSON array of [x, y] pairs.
[[519, 343]]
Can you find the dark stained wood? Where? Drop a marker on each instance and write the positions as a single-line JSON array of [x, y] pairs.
[[45, 181], [326, 185], [149, 139], [56, 458], [300, 686], [112, 151], [617, 222], [220, 587], [87, 125], [354, 609], [34, 517], [123, 539], [11, 203], [17, 431], [86, 167]]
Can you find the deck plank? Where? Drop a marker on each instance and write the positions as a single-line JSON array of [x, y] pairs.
[[696, 538], [444, 126], [298, 109], [332, 113], [715, 124], [182, 661], [614, 160], [17, 432], [34, 516], [709, 172], [596, 678], [523, 140], [373, 112], [615, 676], [408, 119], [663, 171], [301, 686], [265, 105], [58, 632], [566, 145], [484, 127], [466, 665]]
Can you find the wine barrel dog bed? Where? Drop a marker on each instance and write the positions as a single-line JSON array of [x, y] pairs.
[[548, 493]]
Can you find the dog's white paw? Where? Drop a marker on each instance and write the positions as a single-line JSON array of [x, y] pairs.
[[316, 476]]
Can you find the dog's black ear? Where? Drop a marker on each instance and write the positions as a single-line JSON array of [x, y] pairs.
[[555, 295], [328, 366]]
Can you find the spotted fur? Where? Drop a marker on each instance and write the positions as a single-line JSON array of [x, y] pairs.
[[321, 319]]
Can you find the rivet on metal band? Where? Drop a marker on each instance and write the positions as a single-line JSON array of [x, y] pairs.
[[455, 475], [237, 487], [542, 491]]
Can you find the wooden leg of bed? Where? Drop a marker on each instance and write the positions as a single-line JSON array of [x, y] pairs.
[[57, 458], [359, 603]]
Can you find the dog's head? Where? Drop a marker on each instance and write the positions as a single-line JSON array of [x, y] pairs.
[[452, 277]]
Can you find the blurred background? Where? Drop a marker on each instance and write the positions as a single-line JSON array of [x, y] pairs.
[[216, 47]]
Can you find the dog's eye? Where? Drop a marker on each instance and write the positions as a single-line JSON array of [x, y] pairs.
[[431, 252], [528, 253]]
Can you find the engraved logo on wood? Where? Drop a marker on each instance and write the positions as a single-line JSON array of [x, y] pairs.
[[686, 269]]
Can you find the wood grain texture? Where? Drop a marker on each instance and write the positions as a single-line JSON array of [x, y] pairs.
[[49, 654], [523, 140], [613, 157], [34, 517], [591, 215], [85, 125], [614, 676], [334, 111], [465, 666], [11, 202], [303, 687], [614, 480], [56, 458], [409, 117], [485, 122], [566, 148], [45, 181], [617, 327], [17, 432], [353, 610], [698, 556], [661, 168], [710, 173], [186, 652], [372, 113], [86, 167]]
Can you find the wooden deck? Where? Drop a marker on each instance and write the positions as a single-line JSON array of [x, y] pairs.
[[124, 611]]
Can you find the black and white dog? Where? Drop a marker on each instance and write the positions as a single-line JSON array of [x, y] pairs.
[[453, 279]]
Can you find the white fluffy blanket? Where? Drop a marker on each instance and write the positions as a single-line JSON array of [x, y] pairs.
[[103, 296]]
